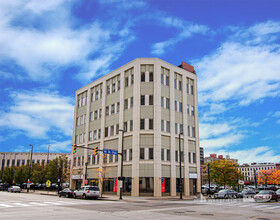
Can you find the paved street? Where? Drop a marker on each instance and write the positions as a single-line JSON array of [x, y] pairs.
[[36, 206]]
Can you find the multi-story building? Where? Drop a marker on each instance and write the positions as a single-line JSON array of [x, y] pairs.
[[213, 157], [9, 159], [150, 102], [251, 171]]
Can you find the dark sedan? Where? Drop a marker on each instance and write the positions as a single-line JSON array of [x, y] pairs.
[[246, 193], [266, 196], [225, 194], [66, 192], [278, 193]]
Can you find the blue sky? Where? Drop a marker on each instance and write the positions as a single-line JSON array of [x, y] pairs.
[[49, 49]]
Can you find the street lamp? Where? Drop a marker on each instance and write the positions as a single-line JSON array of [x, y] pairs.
[[48, 154], [121, 179], [181, 190], [30, 164], [86, 182], [209, 177]]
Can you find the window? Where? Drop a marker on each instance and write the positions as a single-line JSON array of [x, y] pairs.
[[142, 124], [151, 153], [180, 106], [118, 107], [100, 113], [191, 90], [99, 133], [126, 104], [91, 116], [176, 156], [94, 134], [175, 104], [192, 108], [110, 158], [188, 109], [100, 93], [180, 85], [176, 128], [106, 132], [190, 159], [77, 122], [142, 153], [82, 120], [187, 88], [119, 85], [108, 90], [167, 126], [113, 87], [131, 125], [168, 155], [193, 132], [142, 100], [194, 158], [130, 154], [112, 130], [181, 129], [131, 102], [124, 155], [167, 103], [189, 131], [161, 78], [162, 154], [125, 126], [151, 123], [117, 129], [92, 97], [151, 99], [113, 109], [143, 77], [151, 79], [126, 81], [167, 80], [162, 102], [132, 79], [162, 125], [90, 136], [175, 83], [107, 110]]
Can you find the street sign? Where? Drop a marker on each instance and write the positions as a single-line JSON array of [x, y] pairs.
[[48, 183], [109, 151]]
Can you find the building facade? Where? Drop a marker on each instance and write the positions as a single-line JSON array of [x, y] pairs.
[[250, 171], [150, 102], [9, 159]]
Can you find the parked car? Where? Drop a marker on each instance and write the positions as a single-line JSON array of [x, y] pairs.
[[278, 193], [266, 196], [246, 193], [66, 192], [225, 194], [4, 187], [14, 189], [87, 191]]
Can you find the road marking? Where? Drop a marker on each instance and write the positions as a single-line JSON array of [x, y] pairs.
[[21, 204], [37, 204], [260, 206], [4, 205], [53, 203], [273, 207]]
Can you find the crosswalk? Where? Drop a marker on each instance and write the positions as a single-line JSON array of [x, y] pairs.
[[48, 203], [240, 204]]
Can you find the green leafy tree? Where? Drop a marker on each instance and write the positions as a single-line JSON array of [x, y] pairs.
[[224, 172], [8, 175], [21, 174], [38, 173]]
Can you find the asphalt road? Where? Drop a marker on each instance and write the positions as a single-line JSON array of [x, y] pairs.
[[34, 206]]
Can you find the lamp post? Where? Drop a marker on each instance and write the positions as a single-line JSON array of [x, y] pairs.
[[30, 164], [209, 177], [121, 179], [86, 182], [48, 154], [180, 159], [2, 166]]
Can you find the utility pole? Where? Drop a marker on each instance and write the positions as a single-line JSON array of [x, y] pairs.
[[209, 177], [86, 182], [48, 154], [122, 178], [180, 155], [30, 164]]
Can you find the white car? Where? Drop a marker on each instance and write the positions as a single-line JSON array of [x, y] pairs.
[[14, 189], [86, 192]]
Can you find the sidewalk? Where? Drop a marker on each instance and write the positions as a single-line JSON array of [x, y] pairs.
[[110, 197]]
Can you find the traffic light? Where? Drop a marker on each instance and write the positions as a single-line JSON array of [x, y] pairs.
[[74, 149], [95, 150]]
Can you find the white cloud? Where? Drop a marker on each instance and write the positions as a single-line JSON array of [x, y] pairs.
[[43, 52], [186, 30], [39, 113], [240, 69], [207, 130], [124, 4], [56, 147], [222, 142], [258, 154]]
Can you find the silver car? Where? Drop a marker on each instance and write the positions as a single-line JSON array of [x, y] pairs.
[[14, 189], [87, 191]]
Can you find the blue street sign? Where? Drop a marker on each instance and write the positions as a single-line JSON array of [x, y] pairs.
[[109, 151]]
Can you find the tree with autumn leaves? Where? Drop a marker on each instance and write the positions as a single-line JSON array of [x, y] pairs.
[[224, 172], [271, 177]]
